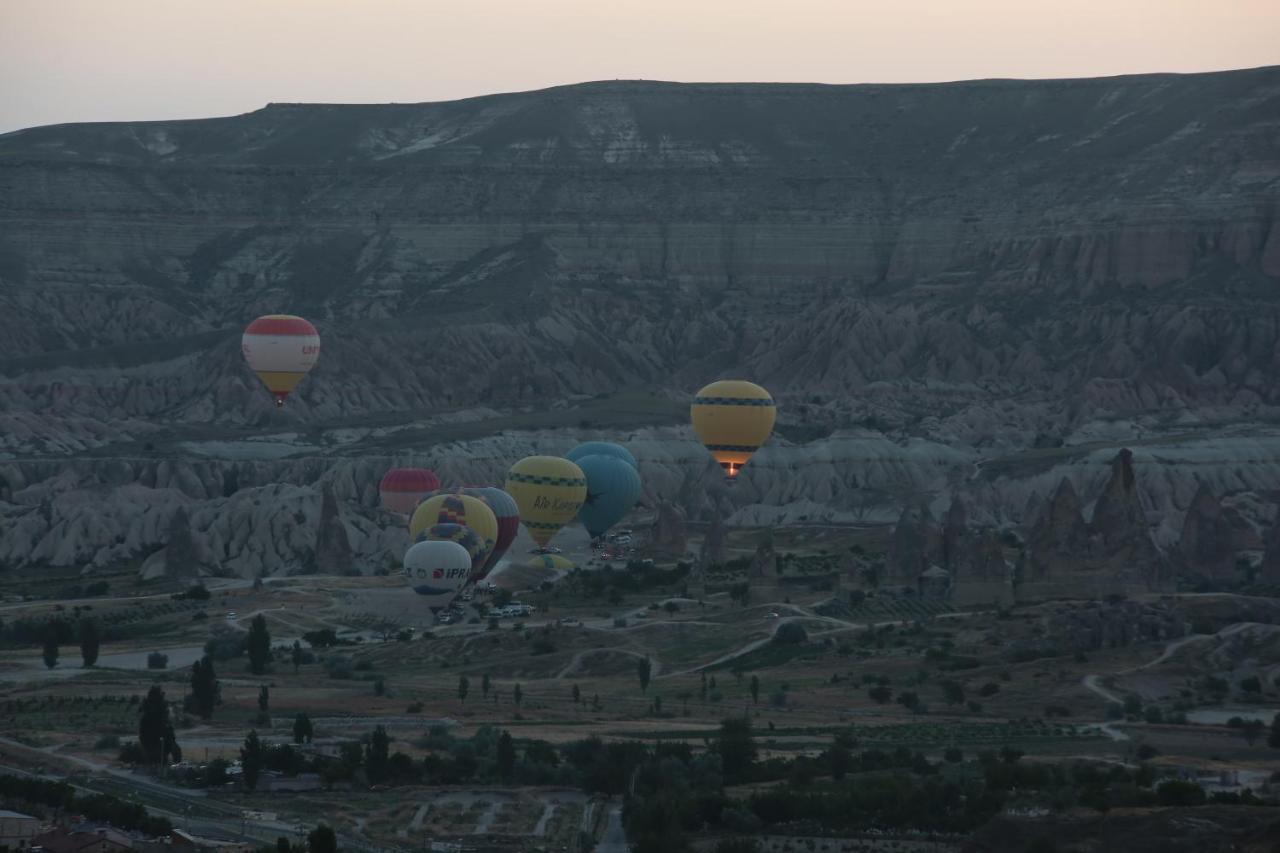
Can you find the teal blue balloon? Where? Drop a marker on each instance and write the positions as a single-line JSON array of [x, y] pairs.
[[613, 487], [602, 448]]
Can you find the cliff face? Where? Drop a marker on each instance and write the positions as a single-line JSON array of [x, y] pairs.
[[1115, 238], [929, 279]]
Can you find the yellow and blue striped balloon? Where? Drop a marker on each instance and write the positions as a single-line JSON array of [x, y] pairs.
[[733, 418], [549, 491]]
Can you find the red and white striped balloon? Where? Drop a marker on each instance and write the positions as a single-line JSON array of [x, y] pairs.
[[402, 489], [281, 349]]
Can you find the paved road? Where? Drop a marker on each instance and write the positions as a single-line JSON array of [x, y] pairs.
[[615, 837]]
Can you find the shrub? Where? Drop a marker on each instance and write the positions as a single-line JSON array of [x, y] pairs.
[[791, 634], [157, 660], [1177, 793], [227, 645], [339, 666]]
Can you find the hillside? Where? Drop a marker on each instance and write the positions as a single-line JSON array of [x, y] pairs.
[[942, 284]]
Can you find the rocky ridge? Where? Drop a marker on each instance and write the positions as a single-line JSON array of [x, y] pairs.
[[978, 288]]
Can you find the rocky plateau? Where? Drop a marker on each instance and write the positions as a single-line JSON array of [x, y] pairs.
[[981, 290]]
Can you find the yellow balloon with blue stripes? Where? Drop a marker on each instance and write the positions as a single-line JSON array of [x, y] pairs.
[[470, 512], [733, 418], [549, 491]]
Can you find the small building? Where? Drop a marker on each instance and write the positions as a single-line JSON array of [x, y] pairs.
[[188, 843], [83, 838], [934, 582], [276, 783], [17, 829]]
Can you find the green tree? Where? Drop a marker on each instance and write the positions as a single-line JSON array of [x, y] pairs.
[[252, 757], [378, 755], [204, 687], [464, 686], [840, 755], [577, 695], [296, 656], [485, 684], [302, 730], [953, 692], [1175, 792], [644, 668], [909, 699], [322, 840], [880, 694], [517, 694], [153, 723], [755, 689], [1251, 685], [737, 845], [50, 651], [702, 689], [90, 642], [506, 756], [259, 645], [1273, 739], [264, 699], [737, 747], [1252, 730]]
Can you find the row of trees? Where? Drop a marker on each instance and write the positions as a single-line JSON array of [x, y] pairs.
[[97, 807], [86, 633]]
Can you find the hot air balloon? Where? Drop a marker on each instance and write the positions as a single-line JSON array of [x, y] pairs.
[[601, 448], [550, 561], [402, 489], [733, 418], [549, 492], [508, 515], [447, 531], [281, 349], [436, 570], [613, 487], [469, 512]]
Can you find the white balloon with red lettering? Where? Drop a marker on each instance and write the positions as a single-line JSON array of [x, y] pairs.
[[281, 349], [436, 569]]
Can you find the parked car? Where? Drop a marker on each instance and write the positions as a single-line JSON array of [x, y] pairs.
[[568, 621]]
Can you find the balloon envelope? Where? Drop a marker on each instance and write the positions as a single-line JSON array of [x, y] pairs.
[[550, 561], [549, 491], [469, 512], [601, 448], [613, 487], [461, 534], [508, 515], [281, 349], [436, 570], [402, 489], [732, 418]]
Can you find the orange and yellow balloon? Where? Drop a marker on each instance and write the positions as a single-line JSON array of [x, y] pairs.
[[733, 418]]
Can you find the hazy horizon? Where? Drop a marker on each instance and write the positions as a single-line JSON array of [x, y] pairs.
[[81, 61]]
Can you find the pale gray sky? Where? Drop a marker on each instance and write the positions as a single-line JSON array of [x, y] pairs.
[[95, 60]]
